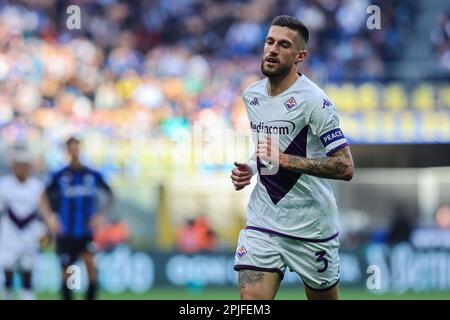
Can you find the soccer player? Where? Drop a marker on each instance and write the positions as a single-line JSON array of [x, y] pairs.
[[20, 227], [69, 205], [292, 213]]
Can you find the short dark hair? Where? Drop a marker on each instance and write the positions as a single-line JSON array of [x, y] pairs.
[[294, 24], [72, 139]]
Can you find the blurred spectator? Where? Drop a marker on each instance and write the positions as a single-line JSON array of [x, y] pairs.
[[186, 238], [205, 235], [195, 236], [440, 38], [401, 227], [443, 217], [110, 235]]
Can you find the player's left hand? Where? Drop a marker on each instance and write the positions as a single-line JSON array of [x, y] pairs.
[[268, 150], [45, 241], [97, 220]]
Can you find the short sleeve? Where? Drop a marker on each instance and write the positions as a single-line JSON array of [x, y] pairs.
[[51, 183], [102, 183], [324, 123]]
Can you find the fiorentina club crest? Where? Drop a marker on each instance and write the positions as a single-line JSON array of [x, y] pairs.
[[241, 251], [290, 104]]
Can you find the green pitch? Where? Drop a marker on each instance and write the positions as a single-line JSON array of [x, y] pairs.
[[233, 294]]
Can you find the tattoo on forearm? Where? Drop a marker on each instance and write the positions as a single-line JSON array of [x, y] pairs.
[[249, 277], [331, 168]]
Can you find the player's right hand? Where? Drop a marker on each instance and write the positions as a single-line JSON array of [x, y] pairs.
[[241, 175], [53, 224]]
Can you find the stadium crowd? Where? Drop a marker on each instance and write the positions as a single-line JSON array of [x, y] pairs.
[[440, 38], [144, 68]]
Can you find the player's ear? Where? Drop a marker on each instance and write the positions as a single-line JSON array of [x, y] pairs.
[[301, 56]]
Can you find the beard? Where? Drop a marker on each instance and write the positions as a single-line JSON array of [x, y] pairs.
[[279, 72]]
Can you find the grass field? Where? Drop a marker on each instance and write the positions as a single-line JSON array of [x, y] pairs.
[[233, 294]]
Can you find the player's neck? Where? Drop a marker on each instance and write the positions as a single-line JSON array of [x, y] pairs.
[[22, 179], [278, 85], [75, 164]]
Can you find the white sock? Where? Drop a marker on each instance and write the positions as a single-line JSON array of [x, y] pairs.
[[27, 294]]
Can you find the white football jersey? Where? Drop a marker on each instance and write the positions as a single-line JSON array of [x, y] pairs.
[[288, 203], [19, 204]]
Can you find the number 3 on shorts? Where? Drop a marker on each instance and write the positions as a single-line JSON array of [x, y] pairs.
[[321, 258]]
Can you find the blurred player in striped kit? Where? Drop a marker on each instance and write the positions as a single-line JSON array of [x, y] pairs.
[[70, 206]]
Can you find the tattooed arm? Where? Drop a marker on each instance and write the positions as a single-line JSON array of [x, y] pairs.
[[338, 166]]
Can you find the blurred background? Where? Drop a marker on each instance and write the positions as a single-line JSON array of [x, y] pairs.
[[153, 88]]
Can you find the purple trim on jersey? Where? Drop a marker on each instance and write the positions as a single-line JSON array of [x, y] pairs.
[[320, 289], [20, 222], [276, 233], [329, 153], [331, 136], [279, 184], [238, 267]]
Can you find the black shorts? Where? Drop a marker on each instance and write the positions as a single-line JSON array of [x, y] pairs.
[[70, 249]]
